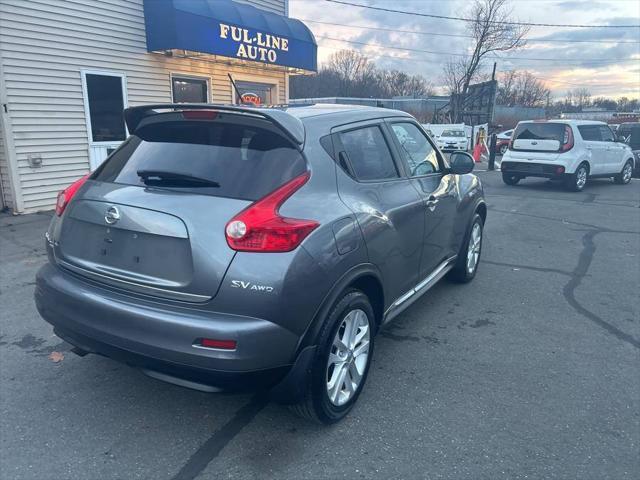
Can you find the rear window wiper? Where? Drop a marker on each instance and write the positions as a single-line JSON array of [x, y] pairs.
[[163, 177]]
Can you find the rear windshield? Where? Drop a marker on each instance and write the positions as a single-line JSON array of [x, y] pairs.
[[453, 133], [540, 131], [229, 160]]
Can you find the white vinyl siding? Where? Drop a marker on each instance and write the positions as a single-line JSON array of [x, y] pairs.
[[45, 46]]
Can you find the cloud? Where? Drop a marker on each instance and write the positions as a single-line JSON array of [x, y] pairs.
[[577, 4], [574, 63]]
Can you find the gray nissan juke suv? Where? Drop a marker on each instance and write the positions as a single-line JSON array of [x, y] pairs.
[[237, 248]]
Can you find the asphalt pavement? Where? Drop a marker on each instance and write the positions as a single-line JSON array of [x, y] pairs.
[[531, 371]]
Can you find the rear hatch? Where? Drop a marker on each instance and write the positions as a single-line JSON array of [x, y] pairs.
[[539, 141], [152, 218]]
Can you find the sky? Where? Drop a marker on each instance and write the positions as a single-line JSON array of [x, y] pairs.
[[608, 65]]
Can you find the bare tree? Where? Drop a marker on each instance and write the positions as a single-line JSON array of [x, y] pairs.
[[521, 88], [582, 97], [397, 83], [490, 34], [348, 73], [355, 70]]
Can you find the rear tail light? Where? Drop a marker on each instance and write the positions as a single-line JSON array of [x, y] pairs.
[[260, 228], [65, 196], [567, 140]]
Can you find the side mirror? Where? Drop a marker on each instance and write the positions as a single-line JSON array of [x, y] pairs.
[[621, 139], [461, 163]]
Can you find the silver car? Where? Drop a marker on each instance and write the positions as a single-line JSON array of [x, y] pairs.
[[234, 248]]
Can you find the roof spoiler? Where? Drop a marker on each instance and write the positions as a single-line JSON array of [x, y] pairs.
[[291, 126]]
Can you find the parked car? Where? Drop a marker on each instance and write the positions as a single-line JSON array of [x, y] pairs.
[[630, 132], [567, 150], [502, 141], [239, 248], [450, 140]]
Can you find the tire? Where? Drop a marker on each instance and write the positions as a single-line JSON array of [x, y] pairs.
[[463, 272], [625, 174], [576, 181], [510, 179], [503, 149], [317, 404]]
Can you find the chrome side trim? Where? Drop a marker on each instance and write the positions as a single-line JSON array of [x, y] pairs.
[[401, 303], [135, 287], [434, 274]]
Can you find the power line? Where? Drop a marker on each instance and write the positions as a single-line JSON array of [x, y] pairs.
[[471, 20], [596, 61], [396, 30]]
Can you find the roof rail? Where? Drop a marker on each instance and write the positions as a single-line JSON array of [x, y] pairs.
[[291, 126]]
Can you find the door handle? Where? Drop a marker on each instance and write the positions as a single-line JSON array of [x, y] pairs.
[[432, 202]]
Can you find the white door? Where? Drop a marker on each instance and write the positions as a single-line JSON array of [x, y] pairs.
[[593, 142], [615, 151], [105, 98]]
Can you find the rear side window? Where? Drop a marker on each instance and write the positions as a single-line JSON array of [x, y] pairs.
[[590, 133], [230, 160], [539, 131], [368, 154]]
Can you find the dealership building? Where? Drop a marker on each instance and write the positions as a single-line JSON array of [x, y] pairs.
[[68, 68]]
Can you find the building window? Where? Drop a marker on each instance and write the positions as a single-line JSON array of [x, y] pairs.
[[190, 90], [256, 93], [105, 100]]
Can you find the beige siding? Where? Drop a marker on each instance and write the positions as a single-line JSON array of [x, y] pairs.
[[45, 46]]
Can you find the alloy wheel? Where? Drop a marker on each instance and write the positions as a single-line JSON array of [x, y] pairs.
[[473, 252], [581, 178], [627, 171], [348, 357]]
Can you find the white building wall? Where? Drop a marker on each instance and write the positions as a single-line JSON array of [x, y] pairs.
[[45, 46]]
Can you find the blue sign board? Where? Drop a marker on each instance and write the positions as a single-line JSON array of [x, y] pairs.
[[229, 29]]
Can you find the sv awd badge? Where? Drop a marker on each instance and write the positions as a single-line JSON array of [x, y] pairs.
[[251, 286]]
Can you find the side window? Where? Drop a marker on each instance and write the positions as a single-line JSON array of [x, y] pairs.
[[606, 133], [419, 155], [368, 154], [590, 133]]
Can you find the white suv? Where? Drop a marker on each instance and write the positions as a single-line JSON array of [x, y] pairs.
[[568, 150]]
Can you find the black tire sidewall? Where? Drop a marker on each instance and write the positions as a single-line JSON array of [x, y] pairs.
[[459, 273], [510, 179], [326, 411]]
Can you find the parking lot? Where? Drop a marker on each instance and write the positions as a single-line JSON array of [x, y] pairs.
[[530, 371]]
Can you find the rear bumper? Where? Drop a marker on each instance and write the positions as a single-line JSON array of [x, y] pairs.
[[160, 338], [533, 169]]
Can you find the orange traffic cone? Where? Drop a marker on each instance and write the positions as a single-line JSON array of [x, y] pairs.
[[477, 152]]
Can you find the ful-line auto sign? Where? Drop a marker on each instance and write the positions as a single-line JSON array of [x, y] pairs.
[[262, 47], [228, 29]]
